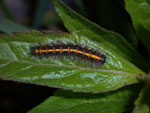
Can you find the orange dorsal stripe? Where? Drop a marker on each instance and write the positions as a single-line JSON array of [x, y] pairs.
[[68, 50]]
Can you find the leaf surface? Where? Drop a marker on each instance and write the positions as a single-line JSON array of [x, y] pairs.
[[119, 101], [17, 64]]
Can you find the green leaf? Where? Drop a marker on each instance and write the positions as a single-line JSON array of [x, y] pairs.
[[8, 26], [139, 11], [16, 64], [68, 102], [142, 104], [76, 23]]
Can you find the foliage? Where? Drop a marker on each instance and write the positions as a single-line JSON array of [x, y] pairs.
[[117, 83]]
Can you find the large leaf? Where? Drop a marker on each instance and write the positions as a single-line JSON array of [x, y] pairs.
[[76, 23], [142, 104], [139, 11], [16, 64], [68, 102]]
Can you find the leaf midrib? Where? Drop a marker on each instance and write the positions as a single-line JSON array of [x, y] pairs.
[[77, 67]]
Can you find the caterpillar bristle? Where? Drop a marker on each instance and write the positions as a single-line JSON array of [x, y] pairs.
[[60, 49]]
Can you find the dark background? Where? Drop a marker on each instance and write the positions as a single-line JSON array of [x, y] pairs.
[[18, 97]]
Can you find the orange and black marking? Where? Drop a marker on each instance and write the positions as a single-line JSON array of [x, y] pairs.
[[76, 51]]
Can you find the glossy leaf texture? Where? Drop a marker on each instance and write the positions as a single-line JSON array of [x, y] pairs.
[[139, 11], [119, 101], [17, 64], [142, 104], [76, 23]]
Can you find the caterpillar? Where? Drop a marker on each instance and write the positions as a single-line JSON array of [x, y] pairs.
[[70, 49]]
